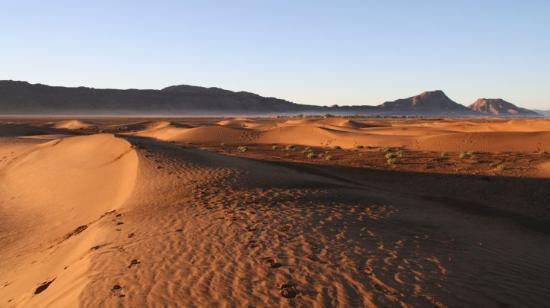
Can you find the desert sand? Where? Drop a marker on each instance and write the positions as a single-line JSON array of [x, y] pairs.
[[224, 212]]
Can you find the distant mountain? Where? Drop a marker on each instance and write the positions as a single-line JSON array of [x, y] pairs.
[[426, 103], [17, 97], [499, 107], [545, 113]]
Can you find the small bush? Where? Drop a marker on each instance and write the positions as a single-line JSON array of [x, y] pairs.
[[500, 167], [311, 155], [386, 150], [242, 148], [390, 155], [275, 147], [391, 161], [463, 155], [359, 146], [337, 147], [290, 147], [328, 157]]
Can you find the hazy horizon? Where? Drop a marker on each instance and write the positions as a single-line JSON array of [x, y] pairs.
[[353, 53]]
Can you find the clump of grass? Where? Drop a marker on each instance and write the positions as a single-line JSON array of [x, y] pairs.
[[275, 147], [392, 155], [242, 148], [311, 155], [468, 154]]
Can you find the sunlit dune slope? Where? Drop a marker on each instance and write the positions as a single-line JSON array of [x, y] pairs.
[[71, 124], [49, 193], [428, 135]]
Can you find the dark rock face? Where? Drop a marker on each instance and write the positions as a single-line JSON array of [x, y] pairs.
[[498, 106], [426, 103]]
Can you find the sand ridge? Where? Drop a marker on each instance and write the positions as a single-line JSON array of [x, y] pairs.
[[52, 190], [457, 135], [71, 124]]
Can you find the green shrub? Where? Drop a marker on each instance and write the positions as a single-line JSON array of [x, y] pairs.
[[311, 155]]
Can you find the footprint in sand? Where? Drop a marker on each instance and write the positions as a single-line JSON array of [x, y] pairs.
[[133, 262], [289, 290], [43, 286], [116, 290], [272, 263]]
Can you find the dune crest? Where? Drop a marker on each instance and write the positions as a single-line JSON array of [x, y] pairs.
[[71, 124], [54, 192]]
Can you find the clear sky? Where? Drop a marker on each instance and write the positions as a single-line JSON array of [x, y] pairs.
[[313, 52]]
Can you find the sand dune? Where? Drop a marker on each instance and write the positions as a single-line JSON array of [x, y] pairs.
[[71, 124], [454, 136], [204, 134], [50, 192], [486, 142]]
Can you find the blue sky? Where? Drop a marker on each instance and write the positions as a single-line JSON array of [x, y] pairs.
[[313, 52]]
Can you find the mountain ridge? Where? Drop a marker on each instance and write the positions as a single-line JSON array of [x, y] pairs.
[[499, 107], [21, 97]]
